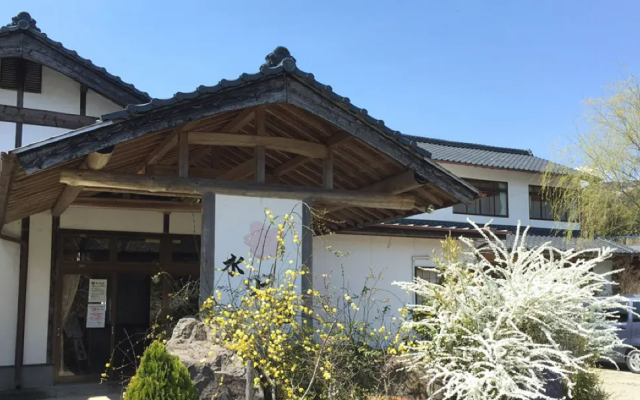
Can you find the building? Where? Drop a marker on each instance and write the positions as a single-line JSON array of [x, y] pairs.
[[107, 187]]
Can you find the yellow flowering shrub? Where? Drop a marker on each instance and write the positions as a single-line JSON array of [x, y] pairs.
[[304, 345]]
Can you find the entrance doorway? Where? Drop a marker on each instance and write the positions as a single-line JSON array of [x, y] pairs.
[[113, 292]]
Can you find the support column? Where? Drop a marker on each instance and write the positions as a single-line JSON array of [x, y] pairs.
[[307, 251], [207, 248]]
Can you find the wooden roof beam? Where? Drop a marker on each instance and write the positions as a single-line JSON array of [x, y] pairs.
[[236, 124], [93, 161], [333, 142], [191, 186], [137, 204], [302, 147]]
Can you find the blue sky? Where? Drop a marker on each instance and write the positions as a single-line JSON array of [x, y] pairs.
[[490, 72]]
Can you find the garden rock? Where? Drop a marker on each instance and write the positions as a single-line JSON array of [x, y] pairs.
[[221, 374]]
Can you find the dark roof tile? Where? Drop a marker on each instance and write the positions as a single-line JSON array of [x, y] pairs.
[[23, 22]]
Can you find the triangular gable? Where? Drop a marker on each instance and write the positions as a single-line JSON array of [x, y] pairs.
[[23, 39]]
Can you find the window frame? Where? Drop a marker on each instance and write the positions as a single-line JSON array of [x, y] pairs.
[[31, 70], [423, 263], [544, 200], [471, 182]]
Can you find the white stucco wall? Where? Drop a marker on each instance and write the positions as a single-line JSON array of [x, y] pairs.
[[38, 284], [9, 274], [37, 133], [59, 93], [237, 218], [185, 223], [98, 105], [518, 197], [390, 257], [7, 136]]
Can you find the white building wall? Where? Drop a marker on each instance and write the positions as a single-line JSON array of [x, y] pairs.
[[358, 256], [7, 136], [38, 284], [9, 274], [37, 133], [98, 105], [59, 93], [518, 197], [185, 223]]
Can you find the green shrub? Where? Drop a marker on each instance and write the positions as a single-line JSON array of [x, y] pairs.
[[588, 387], [161, 376]]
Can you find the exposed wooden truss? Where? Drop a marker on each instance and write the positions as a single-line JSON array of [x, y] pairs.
[[194, 186], [295, 146], [137, 204]]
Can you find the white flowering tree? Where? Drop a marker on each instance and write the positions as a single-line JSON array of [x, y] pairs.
[[505, 319]]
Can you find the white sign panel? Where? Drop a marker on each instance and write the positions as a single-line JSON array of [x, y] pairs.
[[97, 290], [96, 314]]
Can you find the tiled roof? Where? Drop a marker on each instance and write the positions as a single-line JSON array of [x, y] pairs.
[[23, 22], [535, 236], [277, 62], [481, 155], [564, 243]]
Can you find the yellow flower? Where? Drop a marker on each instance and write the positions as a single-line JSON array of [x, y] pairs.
[[301, 390], [107, 365]]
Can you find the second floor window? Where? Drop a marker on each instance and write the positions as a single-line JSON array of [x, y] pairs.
[[541, 204], [492, 202]]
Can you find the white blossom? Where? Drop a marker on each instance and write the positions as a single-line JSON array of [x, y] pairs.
[[496, 328]]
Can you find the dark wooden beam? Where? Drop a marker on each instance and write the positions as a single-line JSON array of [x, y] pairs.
[[179, 186], [272, 90], [183, 154], [44, 117], [83, 99], [319, 104], [137, 204], [306, 251], [33, 48], [260, 151], [22, 302], [207, 246], [327, 171], [12, 239], [240, 171]]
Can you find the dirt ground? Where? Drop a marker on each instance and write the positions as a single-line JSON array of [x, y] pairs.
[[622, 385]]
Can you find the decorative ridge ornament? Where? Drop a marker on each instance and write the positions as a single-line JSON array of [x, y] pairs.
[[279, 57], [23, 21]]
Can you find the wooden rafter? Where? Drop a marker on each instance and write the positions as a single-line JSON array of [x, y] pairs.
[[332, 143], [163, 148], [180, 186], [302, 147], [260, 151], [44, 117], [93, 161], [237, 123]]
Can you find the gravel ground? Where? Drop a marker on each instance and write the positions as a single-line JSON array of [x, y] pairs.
[[622, 385]]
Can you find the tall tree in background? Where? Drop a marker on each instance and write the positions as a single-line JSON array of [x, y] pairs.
[[604, 181]]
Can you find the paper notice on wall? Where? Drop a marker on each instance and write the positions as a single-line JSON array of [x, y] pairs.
[[97, 291], [96, 314]]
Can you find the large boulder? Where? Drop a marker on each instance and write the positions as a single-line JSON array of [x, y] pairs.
[[191, 342]]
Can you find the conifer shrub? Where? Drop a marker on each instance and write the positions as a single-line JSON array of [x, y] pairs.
[[161, 376]]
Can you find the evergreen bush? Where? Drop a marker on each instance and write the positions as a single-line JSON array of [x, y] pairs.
[[161, 376]]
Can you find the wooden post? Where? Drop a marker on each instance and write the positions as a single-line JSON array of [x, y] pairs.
[[307, 252], [183, 154], [207, 247], [260, 153], [328, 171]]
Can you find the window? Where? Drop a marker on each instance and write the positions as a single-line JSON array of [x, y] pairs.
[[10, 70], [540, 204], [424, 268], [492, 202], [620, 316], [636, 310]]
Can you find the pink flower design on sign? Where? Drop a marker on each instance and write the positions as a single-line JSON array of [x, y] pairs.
[[261, 240]]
